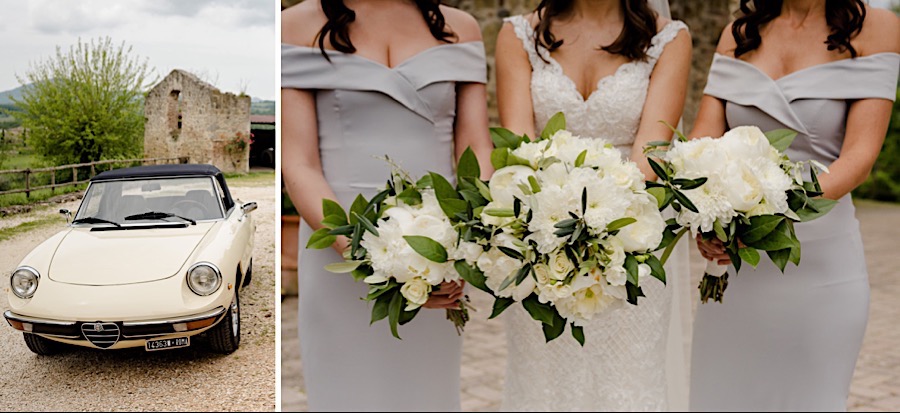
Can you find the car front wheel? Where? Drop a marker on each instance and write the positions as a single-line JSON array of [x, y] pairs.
[[41, 346], [225, 337]]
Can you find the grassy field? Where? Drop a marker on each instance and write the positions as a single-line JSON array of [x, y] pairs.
[[266, 178], [37, 196], [7, 233]]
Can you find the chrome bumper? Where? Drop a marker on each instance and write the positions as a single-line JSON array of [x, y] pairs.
[[130, 330]]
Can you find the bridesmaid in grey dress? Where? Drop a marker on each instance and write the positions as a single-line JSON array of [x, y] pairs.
[[790, 342], [398, 78]]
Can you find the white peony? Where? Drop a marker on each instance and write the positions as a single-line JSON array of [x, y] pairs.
[[533, 152], [647, 232]]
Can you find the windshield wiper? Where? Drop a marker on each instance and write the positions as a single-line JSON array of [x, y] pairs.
[[94, 220], [158, 215]]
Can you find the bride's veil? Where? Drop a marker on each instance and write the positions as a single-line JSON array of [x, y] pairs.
[[678, 349]]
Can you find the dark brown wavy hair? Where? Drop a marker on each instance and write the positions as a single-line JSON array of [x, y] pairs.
[[336, 29], [638, 31], [845, 19]]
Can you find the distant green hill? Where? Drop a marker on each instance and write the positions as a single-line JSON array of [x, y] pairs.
[[6, 96], [262, 107]]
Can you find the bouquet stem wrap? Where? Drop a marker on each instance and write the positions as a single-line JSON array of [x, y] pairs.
[[714, 283]]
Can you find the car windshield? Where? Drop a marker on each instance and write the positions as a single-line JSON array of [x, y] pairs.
[[150, 200]]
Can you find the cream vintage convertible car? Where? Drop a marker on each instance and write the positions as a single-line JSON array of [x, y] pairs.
[[155, 255]]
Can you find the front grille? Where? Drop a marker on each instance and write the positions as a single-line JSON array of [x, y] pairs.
[[102, 335]]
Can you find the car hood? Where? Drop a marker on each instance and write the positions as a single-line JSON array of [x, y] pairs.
[[118, 257]]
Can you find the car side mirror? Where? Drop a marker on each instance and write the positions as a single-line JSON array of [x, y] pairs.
[[248, 208], [66, 213]]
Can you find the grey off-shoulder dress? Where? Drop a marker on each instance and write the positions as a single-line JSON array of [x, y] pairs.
[[790, 342], [365, 111]]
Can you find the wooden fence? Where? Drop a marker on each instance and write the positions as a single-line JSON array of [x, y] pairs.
[[94, 167]]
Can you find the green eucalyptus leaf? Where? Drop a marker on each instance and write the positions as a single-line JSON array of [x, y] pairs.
[[553, 331], [484, 190], [380, 308], [619, 224], [658, 169], [580, 159], [468, 166], [366, 224], [320, 239], [781, 139], [760, 227], [427, 247], [631, 268], [684, 201], [750, 256], [442, 187], [395, 307], [660, 194], [504, 138], [555, 124], [343, 267], [333, 209], [780, 257], [499, 158], [539, 311], [656, 268], [500, 305], [578, 334], [472, 275]]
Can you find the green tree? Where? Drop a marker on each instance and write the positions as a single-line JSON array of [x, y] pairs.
[[86, 104]]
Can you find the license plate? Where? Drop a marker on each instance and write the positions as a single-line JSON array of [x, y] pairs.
[[167, 343]]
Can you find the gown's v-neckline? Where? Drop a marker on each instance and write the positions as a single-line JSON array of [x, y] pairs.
[[603, 79]]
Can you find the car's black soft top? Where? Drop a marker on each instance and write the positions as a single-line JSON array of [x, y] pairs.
[[153, 171]]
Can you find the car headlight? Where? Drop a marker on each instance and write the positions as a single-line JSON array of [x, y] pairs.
[[204, 278], [24, 282]]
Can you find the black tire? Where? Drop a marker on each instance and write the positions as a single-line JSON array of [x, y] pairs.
[[41, 346], [248, 276], [225, 337]]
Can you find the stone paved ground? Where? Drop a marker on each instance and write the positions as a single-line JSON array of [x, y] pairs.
[[876, 384]]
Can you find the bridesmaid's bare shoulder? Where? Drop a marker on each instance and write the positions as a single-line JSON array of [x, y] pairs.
[[727, 44], [301, 24], [880, 32], [462, 24]]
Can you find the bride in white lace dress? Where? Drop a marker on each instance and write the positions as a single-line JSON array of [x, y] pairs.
[[615, 68]]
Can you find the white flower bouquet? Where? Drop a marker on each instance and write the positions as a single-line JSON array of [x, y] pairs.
[[750, 200], [569, 230], [405, 242]]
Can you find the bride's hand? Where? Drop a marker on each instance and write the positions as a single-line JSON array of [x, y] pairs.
[[713, 250], [341, 245], [447, 296]]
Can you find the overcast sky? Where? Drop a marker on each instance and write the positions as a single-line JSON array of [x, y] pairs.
[[229, 43]]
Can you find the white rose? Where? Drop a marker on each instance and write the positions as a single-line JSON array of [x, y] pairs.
[[560, 266], [647, 232], [504, 184], [415, 291], [542, 273]]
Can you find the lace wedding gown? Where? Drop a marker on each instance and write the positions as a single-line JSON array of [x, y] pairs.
[[623, 365]]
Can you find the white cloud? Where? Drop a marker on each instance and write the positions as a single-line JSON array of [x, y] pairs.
[[232, 40]]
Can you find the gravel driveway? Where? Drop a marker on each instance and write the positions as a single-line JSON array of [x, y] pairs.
[[191, 379]]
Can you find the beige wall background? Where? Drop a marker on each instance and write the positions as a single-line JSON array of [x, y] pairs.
[[706, 18]]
